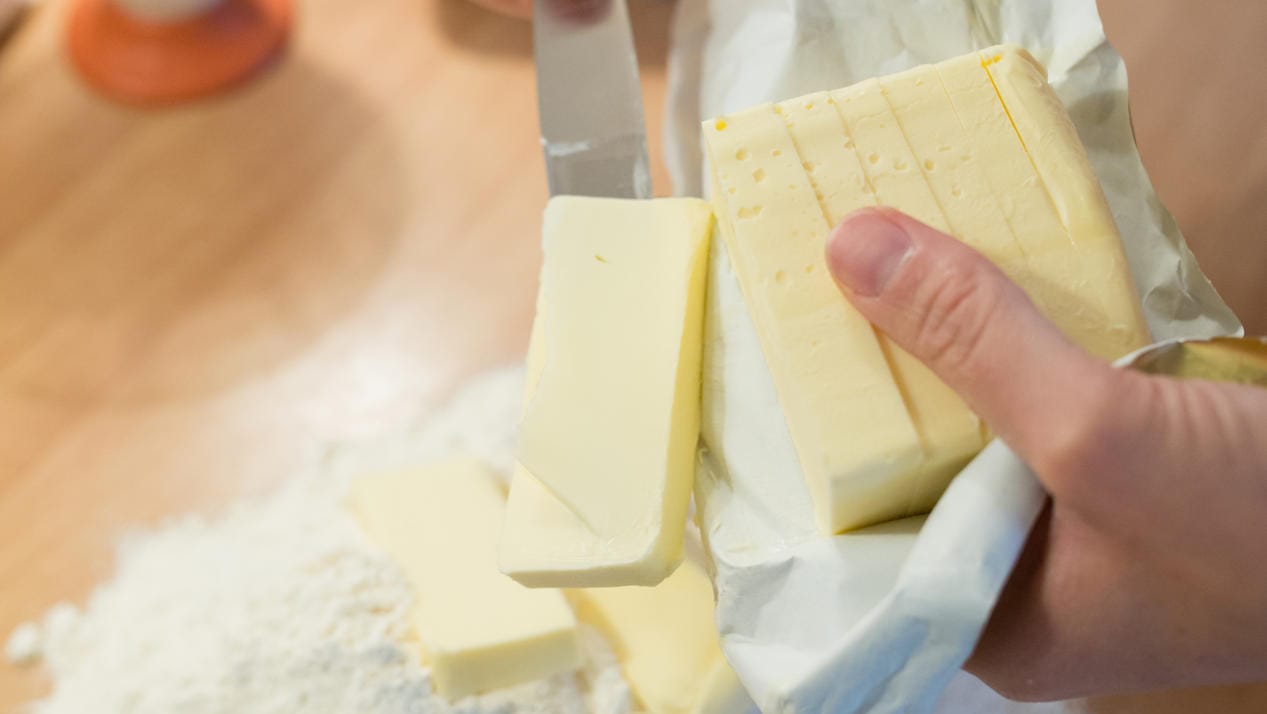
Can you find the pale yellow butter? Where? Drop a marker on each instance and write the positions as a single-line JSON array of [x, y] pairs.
[[845, 413], [1099, 292], [608, 439], [979, 147], [479, 629], [950, 432], [1023, 201], [665, 640], [947, 161]]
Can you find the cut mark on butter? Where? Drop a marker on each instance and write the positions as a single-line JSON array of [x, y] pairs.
[[930, 438], [971, 135], [986, 62]]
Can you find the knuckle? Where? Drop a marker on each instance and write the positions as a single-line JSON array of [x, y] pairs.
[[957, 306], [1098, 439]]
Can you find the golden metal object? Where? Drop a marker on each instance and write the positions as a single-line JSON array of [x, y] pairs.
[[1241, 360]]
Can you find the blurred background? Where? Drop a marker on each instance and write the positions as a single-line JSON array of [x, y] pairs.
[[196, 299]]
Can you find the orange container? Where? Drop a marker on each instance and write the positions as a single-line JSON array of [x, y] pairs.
[[160, 61]]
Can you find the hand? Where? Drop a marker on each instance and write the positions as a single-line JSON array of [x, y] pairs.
[[1148, 569]]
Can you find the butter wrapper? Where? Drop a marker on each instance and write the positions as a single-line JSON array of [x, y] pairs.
[[882, 620]]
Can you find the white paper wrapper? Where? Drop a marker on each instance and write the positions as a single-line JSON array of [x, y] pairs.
[[882, 620]]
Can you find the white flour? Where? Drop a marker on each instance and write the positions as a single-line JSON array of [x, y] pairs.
[[281, 606]]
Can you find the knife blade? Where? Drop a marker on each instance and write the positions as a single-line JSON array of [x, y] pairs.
[[589, 99]]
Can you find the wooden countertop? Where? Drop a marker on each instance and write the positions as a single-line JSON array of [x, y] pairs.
[[194, 302]]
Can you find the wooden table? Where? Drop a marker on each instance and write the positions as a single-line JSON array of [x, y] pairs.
[[195, 302]]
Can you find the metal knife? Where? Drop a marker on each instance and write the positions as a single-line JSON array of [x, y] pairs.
[[589, 99]]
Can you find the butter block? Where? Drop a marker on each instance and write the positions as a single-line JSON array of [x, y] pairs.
[[665, 640], [979, 147], [479, 629], [607, 442]]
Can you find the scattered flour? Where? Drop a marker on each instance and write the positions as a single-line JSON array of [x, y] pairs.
[[281, 606], [24, 644]]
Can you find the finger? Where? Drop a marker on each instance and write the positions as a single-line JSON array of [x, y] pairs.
[[955, 311]]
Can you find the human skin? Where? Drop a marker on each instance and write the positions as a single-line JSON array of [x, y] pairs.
[[1147, 570]]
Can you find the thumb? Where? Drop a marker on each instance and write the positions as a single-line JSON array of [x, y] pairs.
[[952, 309]]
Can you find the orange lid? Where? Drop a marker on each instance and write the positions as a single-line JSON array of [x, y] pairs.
[[148, 61]]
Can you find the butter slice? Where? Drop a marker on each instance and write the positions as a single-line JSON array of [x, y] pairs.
[[611, 429], [543, 543], [665, 640], [1023, 200], [951, 433], [1102, 284], [979, 147], [479, 629], [846, 415]]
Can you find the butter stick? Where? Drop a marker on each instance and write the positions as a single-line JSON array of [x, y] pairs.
[[607, 443], [479, 629], [667, 644]]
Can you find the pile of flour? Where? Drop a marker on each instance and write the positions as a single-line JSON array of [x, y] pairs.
[[282, 606]]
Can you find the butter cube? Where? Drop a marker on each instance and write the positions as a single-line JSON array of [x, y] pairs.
[[479, 629], [665, 640], [978, 146], [607, 443]]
